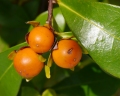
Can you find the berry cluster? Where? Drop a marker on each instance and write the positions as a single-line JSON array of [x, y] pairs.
[[28, 60]]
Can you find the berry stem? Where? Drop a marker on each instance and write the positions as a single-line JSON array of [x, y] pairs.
[[50, 11], [86, 62]]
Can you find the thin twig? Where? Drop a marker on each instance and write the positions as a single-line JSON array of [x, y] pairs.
[[50, 13]]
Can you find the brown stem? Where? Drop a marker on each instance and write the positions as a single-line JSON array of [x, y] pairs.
[[50, 9]]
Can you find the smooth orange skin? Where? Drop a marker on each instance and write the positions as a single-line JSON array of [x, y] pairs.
[[68, 54], [41, 39], [27, 63]]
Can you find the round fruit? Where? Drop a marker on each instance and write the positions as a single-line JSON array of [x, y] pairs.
[[68, 54], [41, 39], [27, 63]]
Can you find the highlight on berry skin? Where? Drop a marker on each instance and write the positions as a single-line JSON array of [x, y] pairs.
[[27, 63], [41, 39], [67, 54]]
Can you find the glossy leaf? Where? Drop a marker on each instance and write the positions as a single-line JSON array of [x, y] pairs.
[[97, 26], [58, 17], [9, 78]]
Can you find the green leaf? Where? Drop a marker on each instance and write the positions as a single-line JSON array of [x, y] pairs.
[[39, 80], [9, 79], [58, 17], [88, 91], [3, 45], [41, 18], [97, 26], [29, 91], [89, 81], [57, 75], [49, 92]]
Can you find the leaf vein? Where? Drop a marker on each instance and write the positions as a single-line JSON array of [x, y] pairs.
[[62, 4], [6, 71]]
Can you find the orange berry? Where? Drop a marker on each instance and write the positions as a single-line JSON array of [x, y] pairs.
[[41, 39], [68, 54], [27, 63]]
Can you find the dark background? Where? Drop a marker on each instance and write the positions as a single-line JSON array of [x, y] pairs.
[[14, 14]]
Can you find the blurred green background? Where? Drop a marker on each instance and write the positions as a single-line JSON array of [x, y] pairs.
[[13, 15], [88, 81]]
